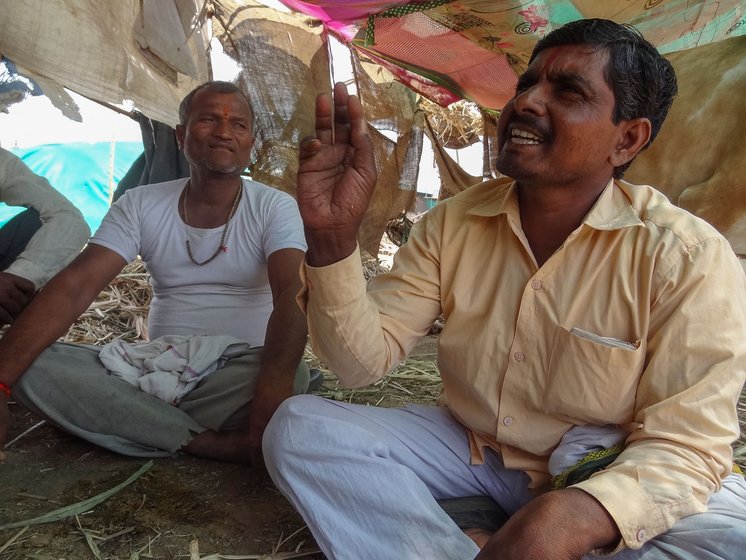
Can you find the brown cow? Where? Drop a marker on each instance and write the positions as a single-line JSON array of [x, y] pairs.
[[699, 158]]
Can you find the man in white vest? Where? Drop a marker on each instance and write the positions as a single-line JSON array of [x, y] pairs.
[[223, 252]]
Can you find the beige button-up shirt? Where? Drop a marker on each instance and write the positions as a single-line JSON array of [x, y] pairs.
[[63, 231], [638, 320]]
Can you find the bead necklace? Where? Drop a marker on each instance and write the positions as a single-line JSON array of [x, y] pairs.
[[221, 247]]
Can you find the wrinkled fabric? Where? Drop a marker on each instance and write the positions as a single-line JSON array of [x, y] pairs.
[[169, 367]]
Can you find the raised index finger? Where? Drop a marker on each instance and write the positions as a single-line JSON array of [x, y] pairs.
[[324, 118], [341, 118]]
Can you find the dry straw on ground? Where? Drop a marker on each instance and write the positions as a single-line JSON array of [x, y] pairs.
[[119, 312]]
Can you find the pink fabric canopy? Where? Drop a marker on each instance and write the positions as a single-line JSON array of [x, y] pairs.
[[474, 49]]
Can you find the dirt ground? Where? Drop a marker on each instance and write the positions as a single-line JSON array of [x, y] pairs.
[[226, 509], [182, 508]]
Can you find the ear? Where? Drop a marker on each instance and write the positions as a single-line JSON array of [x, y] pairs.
[[180, 136], [633, 137]]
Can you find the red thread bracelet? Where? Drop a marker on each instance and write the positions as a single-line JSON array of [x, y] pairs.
[[5, 389]]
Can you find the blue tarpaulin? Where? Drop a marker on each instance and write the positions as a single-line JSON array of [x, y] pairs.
[[86, 173]]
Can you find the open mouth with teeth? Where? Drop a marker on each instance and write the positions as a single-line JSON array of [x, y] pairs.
[[518, 136]]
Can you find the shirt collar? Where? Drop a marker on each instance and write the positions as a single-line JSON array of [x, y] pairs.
[[502, 198], [613, 209]]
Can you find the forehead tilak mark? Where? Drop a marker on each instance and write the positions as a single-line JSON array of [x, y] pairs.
[[557, 51]]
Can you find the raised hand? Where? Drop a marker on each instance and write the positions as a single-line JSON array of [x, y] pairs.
[[336, 177]]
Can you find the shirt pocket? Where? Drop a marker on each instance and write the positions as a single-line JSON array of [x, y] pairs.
[[592, 381]]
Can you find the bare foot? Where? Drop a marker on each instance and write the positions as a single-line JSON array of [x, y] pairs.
[[479, 536], [231, 446]]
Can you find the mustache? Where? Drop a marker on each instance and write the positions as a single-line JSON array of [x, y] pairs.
[[532, 124], [226, 145]]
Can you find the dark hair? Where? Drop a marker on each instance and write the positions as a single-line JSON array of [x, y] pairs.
[[643, 82], [214, 86]]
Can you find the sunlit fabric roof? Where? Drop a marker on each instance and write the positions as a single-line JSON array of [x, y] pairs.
[[474, 49]]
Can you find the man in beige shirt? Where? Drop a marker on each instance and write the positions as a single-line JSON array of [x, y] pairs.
[[583, 314]]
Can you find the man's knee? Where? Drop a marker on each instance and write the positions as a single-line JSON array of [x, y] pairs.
[[295, 420], [36, 376]]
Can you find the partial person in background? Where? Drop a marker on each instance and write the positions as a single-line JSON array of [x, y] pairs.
[[226, 335], [39, 241]]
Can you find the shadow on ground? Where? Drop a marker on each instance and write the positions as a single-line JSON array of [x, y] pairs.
[[181, 506]]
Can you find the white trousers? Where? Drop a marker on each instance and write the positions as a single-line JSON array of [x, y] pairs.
[[366, 480]]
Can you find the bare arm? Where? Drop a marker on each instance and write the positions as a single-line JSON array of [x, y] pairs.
[[51, 313], [283, 345], [336, 178]]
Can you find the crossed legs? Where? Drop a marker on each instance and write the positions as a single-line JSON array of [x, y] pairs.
[[366, 481]]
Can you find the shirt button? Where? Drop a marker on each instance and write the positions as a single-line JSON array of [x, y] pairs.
[[508, 420], [641, 534], [519, 356], [536, 284]]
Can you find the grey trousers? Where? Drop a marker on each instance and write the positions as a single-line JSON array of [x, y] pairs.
[[70, 387]]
